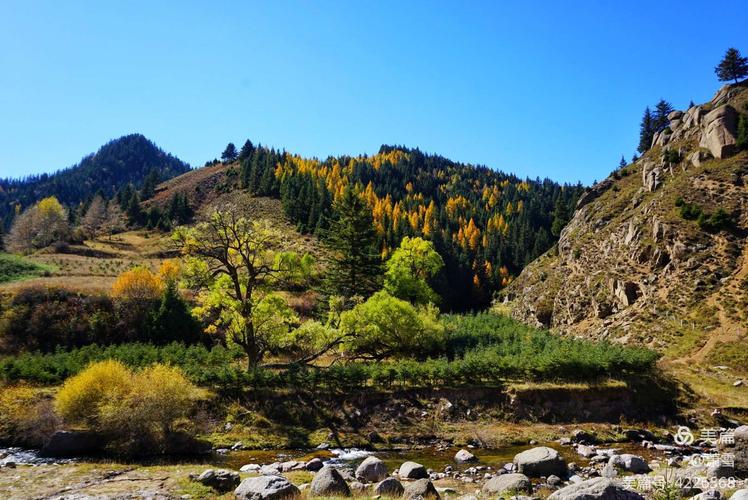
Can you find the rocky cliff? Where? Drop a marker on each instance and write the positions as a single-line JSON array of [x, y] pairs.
[[657, 253]]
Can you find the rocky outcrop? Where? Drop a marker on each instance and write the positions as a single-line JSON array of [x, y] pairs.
[[638, 257], [328, 482], [266, 488], [540, 461], [514, 483], [595, 489], [720, 131]]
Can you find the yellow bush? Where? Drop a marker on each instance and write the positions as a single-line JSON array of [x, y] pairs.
[[91, 396], [162, 396], [137, 284], [135, 408], [170, 271], [25, 416]]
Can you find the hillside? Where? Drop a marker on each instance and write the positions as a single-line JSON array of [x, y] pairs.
[[123, 161], [657, 253], [486, 224]]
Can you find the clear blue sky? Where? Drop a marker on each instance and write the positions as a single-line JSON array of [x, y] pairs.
[[550, 89]]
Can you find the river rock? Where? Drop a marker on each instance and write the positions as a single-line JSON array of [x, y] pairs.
[[371, 470], [273, 469], [328, 482], [413, 470], [740, 495], [422, 488], [220, 480], [630, 463], [71, 444], [553, 480], [314, 464], [583, 437], [266, 488], [464, 456], [540, 461], [599, 488], [389, 487], [586, 451], [250, 468], [515, 483]]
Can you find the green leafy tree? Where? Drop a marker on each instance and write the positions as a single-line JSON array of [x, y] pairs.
[[409, 270], [229, 154], [732, 67], [385, 326], [230, 261], [355, 265]]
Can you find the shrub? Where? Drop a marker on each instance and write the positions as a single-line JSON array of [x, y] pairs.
[[138, 409], [137, 284], [26, 416], [385, 326], [92, 397]]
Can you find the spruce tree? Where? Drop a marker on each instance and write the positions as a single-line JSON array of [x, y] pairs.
[[172, 321], [662, 109], [246, 150], [622, 163], [732, 67], [646, 131], [229, 154], [355, 265]]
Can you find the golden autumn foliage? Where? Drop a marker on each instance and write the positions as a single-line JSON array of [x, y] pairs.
[[138, 283], [138, 407]]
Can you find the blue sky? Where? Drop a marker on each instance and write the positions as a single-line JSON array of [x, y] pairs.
[[549, 89]]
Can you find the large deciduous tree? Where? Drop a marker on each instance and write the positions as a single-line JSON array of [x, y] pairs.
[[38, 227]]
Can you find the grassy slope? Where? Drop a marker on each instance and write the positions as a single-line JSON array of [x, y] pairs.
[[15, 268]]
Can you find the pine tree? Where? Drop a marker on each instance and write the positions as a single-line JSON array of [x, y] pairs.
[[134, 212], [634, 158], [246, 150], [732, 67], [662, 109], [149, 185], [356, 266], [229, 154], [622, 163], [646, 131], [172, 321]]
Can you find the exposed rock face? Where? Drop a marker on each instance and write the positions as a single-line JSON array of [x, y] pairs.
[[371, 470], [515, 483], [595, 489], [266, 488], [328, 482], [540, 461], [413, 470], [631, 266], [720, 133], [423, 488]]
